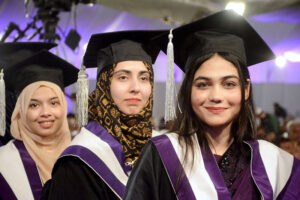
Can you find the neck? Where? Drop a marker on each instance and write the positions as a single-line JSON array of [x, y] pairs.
[[219, 139]]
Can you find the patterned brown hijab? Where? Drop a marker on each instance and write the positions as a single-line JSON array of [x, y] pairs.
[[131, 131]]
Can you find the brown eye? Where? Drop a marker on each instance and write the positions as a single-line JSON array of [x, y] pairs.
[[33, 105], [230, 84], [55, 103], [201, 85], [122, 77], [145, 78]]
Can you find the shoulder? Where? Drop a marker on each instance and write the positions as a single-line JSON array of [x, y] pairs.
[[7, 149], [164, 137], [268, 147], [9, 156]]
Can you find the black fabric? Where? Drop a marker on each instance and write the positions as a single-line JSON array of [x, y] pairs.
[[106, 49], [207, 42], [72, 179], [225, 22], [14, 52], [10, 102], [149, 179], [232, 163], [42, 66]]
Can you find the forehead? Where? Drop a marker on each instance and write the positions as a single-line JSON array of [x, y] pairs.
[[130, 66], [43, 91], [216, 66]]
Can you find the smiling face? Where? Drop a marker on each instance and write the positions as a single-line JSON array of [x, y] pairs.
[[216, 92], [130, 86], [45, 113]]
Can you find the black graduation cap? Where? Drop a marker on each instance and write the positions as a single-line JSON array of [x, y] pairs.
[[225, 31], [42, 66], [13, 52], [106, 49]]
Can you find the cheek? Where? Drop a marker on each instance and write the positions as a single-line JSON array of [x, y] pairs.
[[147, 91], [234, 97], [58, 112], [197, 98], [32, 115], [116, 92]]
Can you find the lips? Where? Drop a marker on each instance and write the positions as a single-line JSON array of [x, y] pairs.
[[216, 110], [46, 124], [133, 100]]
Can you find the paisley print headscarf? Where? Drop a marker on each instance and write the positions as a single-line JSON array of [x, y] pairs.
[[131, 131]]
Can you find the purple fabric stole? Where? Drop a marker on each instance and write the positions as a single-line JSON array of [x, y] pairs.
[[6, 192], [31, 172], [259, 173], [213, 170], [173, 166], [292, 188], [94, 162]]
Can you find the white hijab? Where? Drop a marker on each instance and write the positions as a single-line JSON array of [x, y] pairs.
[[44, 151]]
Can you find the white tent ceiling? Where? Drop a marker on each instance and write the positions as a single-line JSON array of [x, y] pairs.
[[280, 28], [183, 11]]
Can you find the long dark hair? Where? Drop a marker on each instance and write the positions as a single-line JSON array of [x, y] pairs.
[[187, 123]]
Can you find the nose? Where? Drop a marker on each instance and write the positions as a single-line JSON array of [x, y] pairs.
[[45, 111], [135, 86], [215, 94]]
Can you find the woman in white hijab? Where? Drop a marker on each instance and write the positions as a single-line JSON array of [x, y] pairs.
[[38, 124]]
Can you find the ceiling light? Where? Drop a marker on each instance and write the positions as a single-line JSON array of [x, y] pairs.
[[292, 56], [238, 7], [280, 61]]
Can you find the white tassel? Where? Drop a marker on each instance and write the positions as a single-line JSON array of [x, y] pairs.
[[2, 104], [82, 94], [170, 83]]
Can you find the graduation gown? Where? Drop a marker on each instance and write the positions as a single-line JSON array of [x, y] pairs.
[[92, 167], [159, 174], [19, 177]]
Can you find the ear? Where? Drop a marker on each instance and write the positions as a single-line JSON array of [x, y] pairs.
[[247, 89]]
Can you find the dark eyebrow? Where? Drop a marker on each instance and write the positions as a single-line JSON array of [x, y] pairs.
[[38, 100], [230, 76], [122, 71], [144, 72], [202, 77], [53, 98], [223, 78], [129, 72], [34, 100]]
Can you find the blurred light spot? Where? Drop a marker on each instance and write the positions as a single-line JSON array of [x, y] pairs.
[[280, 61], [292, 56], [85, 46], [238, 7]]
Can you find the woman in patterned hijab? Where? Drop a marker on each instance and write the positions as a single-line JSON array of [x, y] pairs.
[[101, 157], [132, 131]]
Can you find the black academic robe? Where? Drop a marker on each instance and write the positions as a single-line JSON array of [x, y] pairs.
[[92, 167], [149, 179], [72, 179], [155, 175]]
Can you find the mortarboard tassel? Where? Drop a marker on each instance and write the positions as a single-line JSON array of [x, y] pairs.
[[2, 104], [170, 83], [82, 94]]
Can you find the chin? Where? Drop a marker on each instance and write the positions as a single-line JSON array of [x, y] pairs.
[[133, 111], [216, 123]]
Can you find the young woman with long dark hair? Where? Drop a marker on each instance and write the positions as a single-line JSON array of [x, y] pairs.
[[212, 151]]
